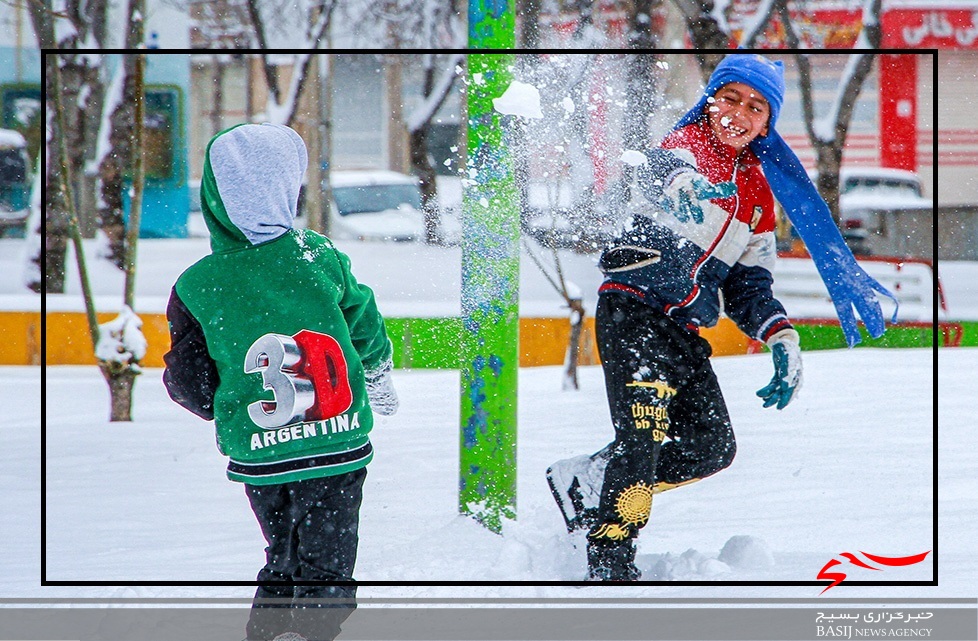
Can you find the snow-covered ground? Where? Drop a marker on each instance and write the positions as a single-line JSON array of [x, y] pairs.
[[845, 468]]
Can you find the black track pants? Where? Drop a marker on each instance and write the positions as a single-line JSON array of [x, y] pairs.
[[311, 529], [671, 423]]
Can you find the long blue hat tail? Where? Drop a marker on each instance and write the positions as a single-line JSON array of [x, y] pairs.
[[851, 288]]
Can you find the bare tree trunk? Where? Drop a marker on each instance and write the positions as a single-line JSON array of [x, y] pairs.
[[829, 163], [217, 113], [577, 315], [42, 22], [421, 163], [271, 72], [326, 141], [709, 40], [640, 99], [64, 186], [121, 383], [586, 21], [138, 177], [419, 134], [829, 152]]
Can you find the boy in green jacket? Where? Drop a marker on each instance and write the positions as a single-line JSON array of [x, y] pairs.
[[274, 339]]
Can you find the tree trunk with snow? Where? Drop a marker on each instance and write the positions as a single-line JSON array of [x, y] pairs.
[[436, 84], [827, 134], [65, 194], [705, 32], [82, 92], [32, 277], [56, 207], [119, 349], [120, 373], [113, 166], [282, 106]]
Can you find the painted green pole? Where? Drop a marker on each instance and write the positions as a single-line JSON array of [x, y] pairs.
[[490, 279]]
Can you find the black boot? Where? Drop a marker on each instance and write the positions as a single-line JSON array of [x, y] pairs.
[[612, 561]]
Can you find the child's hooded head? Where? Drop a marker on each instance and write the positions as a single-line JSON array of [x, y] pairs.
[[249, 191]]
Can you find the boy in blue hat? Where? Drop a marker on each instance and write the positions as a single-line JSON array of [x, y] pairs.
[[704, 234]]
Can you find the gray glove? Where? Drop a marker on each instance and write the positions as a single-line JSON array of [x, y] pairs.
[[380, 389]]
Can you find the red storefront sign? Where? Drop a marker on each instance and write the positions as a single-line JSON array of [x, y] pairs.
[[938, 28], [825, 25], [817, 28]]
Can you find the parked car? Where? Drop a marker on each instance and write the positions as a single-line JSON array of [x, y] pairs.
[[15, 184], [375, 205], [872, 197]]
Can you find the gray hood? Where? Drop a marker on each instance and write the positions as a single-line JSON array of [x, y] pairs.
[[250, 186]]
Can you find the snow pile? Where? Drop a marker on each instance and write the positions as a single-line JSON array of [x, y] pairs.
[[741, 555], [747, 552], [691, 565], [121, 340], [11, 138]]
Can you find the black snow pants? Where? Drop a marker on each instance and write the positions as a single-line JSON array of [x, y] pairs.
[[311, 529], [671, 422]]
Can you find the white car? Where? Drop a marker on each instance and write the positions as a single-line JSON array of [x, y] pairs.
[[868, 196], [375, 205]]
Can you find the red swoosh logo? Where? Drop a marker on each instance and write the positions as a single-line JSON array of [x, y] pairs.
[[838, 577]]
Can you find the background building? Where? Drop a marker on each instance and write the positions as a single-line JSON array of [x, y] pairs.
[[896, 123]]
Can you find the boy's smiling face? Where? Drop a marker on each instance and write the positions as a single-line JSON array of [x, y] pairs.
[[737, 114]]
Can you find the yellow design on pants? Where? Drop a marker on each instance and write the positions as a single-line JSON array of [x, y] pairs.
[[612, 531], [634, 504]]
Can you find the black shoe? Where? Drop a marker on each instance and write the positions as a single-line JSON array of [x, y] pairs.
[[612, 561]]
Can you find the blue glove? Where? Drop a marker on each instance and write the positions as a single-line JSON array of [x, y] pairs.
[[786, 382], [689, 192]]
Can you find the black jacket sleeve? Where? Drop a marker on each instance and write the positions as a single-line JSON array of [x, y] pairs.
[[749, 302], [190, 376]]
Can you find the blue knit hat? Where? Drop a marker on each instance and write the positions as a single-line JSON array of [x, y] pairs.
[[847, 283], [765, 76]]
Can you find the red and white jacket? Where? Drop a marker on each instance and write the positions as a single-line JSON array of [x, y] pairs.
[[682, 267]]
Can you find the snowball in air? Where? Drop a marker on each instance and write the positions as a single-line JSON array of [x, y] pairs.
[[634, 158], [519, 99]]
